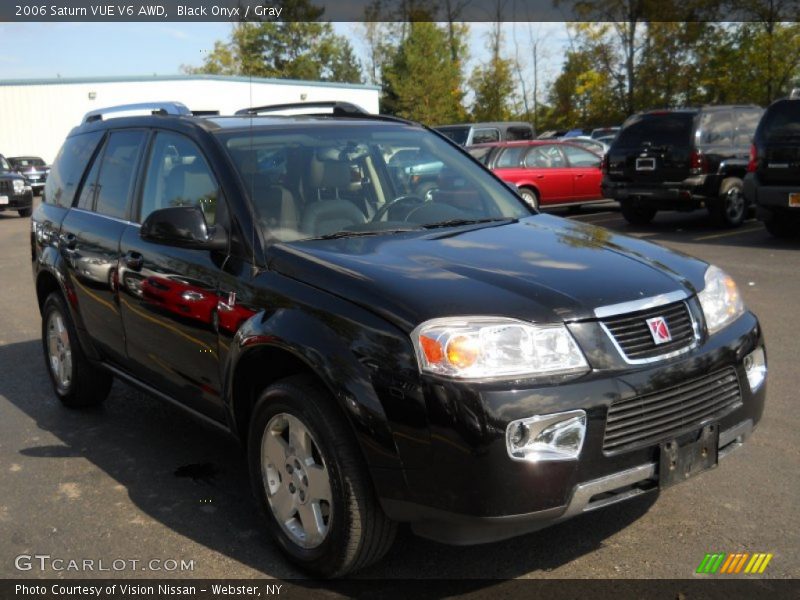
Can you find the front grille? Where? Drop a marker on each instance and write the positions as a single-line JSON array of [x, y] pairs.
[[652, 418], [5, 186], [633, 336]]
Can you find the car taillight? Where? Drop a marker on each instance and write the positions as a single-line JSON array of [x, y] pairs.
[[752, 164], [698, 162]]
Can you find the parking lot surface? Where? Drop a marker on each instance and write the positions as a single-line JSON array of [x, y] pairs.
[[136, 480]]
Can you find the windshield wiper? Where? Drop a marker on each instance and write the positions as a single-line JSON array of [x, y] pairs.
[[459, 222], [347, 234]]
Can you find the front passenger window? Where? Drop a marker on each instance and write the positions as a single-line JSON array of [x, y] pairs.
[[178, 175]]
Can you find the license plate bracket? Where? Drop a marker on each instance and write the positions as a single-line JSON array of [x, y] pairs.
[[645, 164], [794, 200], [682, 459]]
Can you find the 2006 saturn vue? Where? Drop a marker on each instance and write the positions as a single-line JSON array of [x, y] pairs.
[[455, 361]]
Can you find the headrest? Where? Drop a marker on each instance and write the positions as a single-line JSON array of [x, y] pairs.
[[326, 174], [248, 161]]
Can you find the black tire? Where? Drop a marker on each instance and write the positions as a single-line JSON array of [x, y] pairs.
[[358, 532], [729, 209], [782, 226], [530, 196], [88, 385], [636, 213], [25, 212]]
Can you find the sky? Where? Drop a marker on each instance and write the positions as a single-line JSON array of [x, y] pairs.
[[44, 50]]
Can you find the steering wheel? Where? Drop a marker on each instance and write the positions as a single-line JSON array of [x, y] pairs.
[[399, 201]]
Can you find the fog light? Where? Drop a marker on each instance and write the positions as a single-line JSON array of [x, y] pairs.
[[547, 437], [755, 365]]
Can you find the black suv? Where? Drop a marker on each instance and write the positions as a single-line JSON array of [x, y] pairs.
[[33, 169], [15, 193], [773, 179], [458, 362], [682, 159]]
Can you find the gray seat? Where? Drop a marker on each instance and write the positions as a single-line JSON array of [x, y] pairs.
[[326, 216], [275, 206]]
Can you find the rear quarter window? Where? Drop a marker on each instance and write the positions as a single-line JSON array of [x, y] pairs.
[[68, 168]]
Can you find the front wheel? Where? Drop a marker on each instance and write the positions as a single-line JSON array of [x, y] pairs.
[[311, 483], [729, 209], [636, 213], [76, 381]]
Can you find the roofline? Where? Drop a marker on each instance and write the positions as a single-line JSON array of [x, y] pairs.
[[181, 77]]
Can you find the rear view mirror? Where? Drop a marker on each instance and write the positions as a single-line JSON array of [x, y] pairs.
[[183, 226]]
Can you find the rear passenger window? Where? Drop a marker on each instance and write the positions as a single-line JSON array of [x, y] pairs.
[[544, 157], [178, 175], [68, 167], [117, 168], [482, 136], [717, 128], [578, 157], [746, 123]]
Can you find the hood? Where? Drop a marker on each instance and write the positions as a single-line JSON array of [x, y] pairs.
[[541, 268]]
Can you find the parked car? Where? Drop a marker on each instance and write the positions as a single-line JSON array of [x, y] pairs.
[[33, 169], [682, 159], [464, 364], [773, 179], [15, 194], [546, 173], [467, 134]]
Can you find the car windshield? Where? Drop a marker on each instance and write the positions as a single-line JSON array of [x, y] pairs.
[[657, 129], [4, 166], [312, 181], [458, 134], [782, 121], [28, 162]]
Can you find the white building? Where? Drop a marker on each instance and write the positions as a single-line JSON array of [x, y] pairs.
[[37, 114]]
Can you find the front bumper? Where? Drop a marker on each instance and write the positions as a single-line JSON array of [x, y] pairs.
[[688, 194], [472, 492], [18, 201]]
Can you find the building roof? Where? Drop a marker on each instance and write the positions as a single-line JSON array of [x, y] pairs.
[[181, 77]]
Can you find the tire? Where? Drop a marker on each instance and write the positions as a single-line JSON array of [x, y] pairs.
[[25, 212], [729, 209], [782, 226], [351, 529], [530, 196], [637, 214], [76, 381]]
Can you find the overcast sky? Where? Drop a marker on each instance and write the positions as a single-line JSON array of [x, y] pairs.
[[43, 50]]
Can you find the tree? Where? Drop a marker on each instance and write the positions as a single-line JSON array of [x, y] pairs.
[[493, 82], [420, 79], [301, 47]]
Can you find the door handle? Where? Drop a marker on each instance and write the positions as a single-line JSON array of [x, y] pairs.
[[69, 240], [134, 261], [540, 177]]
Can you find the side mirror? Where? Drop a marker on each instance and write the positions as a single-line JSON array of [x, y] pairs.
[[183, 226]]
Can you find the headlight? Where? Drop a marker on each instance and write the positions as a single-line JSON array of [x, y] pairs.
[[547, 437], [19, 185], [720, 299], [491, 347]]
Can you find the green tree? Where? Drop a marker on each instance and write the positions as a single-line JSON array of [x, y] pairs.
[[301, 47], [493, 83], [420, 79]]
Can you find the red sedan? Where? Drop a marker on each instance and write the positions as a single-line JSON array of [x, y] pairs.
[[547, 173]]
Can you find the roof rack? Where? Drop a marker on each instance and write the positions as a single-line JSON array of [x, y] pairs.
[[154, 108], [340, 109]]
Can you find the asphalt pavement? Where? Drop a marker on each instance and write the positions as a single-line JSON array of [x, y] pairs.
[[136, 480]]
